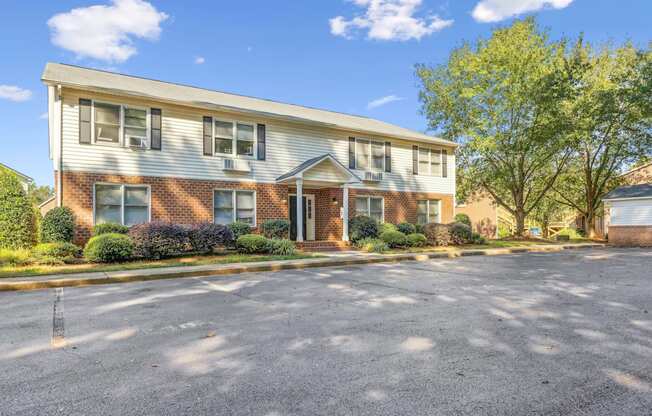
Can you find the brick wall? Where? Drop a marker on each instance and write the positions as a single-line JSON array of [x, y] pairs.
[[187, 201], [630, 235]]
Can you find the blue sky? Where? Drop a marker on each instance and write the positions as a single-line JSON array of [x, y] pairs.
[[355, 56]]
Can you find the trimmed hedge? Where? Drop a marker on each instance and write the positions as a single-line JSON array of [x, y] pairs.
[[58, 225], [276, 228], [109, 248], [437, 234], [110, 227], [386, 226], [361, 227], [281, 247], [17, 215], [157, 240], [460, 233], [463, 218], [206, 236], [394, 239], [252, 244], [16, 257], [238, 229], [372, 245], [406, 228], [416, 240]]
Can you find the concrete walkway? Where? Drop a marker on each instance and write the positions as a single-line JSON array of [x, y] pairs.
[[328, 260]]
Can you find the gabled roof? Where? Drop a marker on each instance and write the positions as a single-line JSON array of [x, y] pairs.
[[119, 84], [20, 175], [297, 171], [643, 190], [636, 169]]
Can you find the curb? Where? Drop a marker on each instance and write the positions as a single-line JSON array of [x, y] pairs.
[[130, 276]]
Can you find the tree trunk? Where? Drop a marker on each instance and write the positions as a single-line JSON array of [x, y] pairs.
[[519, 215], [589, 226], [545, 231]]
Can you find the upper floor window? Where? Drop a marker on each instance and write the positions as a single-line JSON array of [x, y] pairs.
[[430, 161], [116, 124], [234, 138], [369, 155], [121, 204]]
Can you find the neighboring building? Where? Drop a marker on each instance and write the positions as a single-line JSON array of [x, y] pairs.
[[47, 205], [25, 180], [630, 211], [483, 213], [131, 150]]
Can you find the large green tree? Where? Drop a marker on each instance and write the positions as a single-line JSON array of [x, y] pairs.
[[503, 99], [610, 116]]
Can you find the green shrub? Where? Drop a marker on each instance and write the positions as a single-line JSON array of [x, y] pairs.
[[418, 228], [463, 218], [386, 226], [460, 233], [60, 250], [406, 228], [276, 228], [394, 239], [110, 228], [361, 227], [158, 240], [109, 248], [416, 240], [372, 245], [58, 225], [281, 247], [570, 232], [478, 239], [437, 234], [239, 229], [503, 231], [17, 216], [16, 257], [252, 243]]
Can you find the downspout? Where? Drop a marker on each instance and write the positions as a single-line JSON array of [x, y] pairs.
[[59, 115]]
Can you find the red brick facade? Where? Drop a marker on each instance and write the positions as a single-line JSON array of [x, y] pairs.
[[187, 201], [630, 235]]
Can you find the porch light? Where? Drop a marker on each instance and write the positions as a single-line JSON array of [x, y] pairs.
[[334, 200]]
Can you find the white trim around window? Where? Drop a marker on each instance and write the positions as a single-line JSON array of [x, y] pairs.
[[367, 210], [122, 124], [371, 159], [123, 189], [432, 158], [234, 137], [429, 204], [234, 205]]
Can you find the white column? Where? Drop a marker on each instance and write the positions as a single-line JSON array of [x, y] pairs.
[[299, 210], [345, 212]]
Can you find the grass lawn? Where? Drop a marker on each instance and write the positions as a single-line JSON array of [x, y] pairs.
[[38, 270]]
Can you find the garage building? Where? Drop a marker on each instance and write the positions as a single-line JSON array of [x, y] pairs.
[[630, 215]]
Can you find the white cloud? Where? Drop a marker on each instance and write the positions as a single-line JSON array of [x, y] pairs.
[[389, 20], [106, 32], [379, 102], [44, 116], [497, 10], [200, 60], [13, 93]]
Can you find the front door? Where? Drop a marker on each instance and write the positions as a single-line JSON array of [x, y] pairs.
[[308, 217]]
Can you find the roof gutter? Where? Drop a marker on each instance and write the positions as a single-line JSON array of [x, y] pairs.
[[224, 108]]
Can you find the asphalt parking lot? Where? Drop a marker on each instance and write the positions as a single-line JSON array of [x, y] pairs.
[[548, 334]]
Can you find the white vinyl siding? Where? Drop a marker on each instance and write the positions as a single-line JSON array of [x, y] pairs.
[[631, 212], [234, 205], [121, 204], [287, 146]]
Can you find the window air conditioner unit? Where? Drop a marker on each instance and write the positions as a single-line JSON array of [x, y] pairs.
[[137, 143], [373, 176], [236, 165]]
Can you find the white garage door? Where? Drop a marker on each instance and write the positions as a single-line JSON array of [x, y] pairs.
[[631, 212]]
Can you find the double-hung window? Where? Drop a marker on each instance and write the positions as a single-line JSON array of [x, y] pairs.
[[430, 161], [121, 204], [230, 206], [116, 124], [428, 211], [370, 206], [369, 155], [234, 138]]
